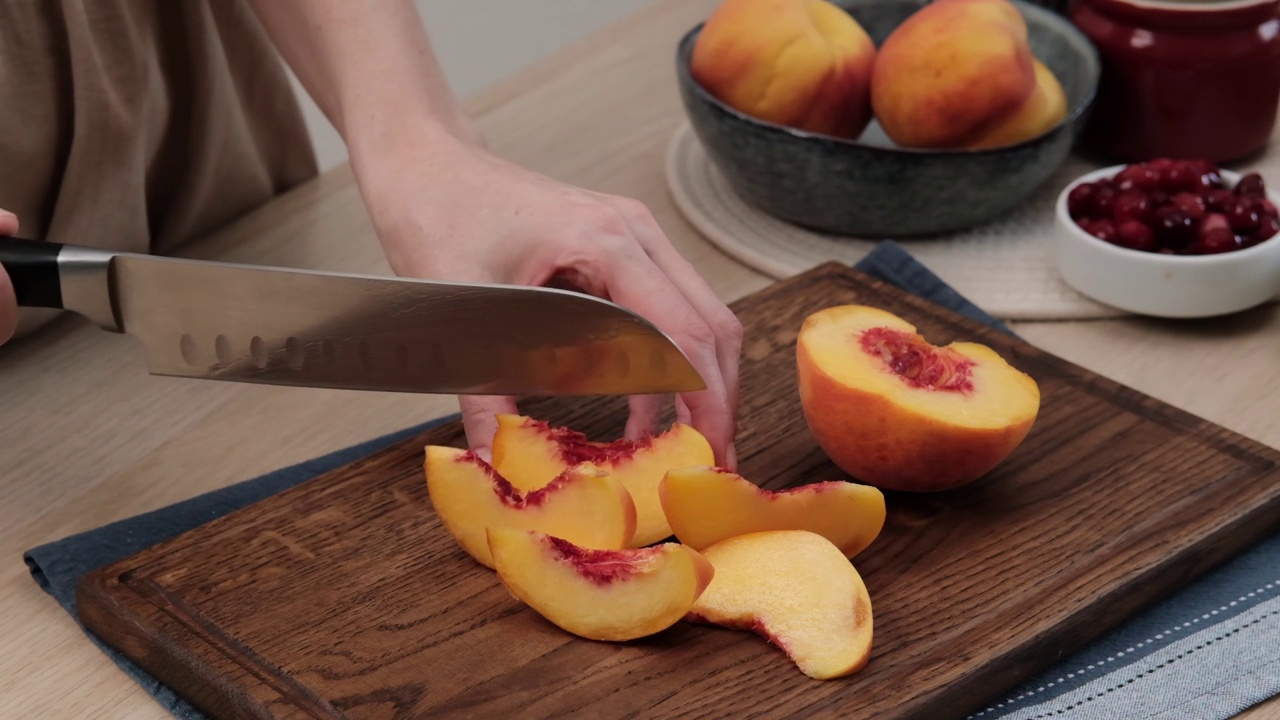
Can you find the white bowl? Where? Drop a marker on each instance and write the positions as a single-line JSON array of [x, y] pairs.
[[1171, 286]]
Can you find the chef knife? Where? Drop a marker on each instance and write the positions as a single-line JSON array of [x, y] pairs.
[[279, 326]]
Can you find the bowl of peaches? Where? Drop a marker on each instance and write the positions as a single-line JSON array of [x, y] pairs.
[[1170, 238], [874, 118]]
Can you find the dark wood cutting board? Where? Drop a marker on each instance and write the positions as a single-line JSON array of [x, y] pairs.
[[344, 598]]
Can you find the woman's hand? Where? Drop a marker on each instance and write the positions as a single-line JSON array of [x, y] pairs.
[[446, 208], [8, 303]]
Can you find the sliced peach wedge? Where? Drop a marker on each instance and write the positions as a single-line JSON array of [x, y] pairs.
[[531, 452], [583, 504], [897, 412], [612, 595], [797, 590], [706, 505]]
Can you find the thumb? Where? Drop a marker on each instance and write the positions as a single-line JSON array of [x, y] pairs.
[[8, 308], [480, 422]]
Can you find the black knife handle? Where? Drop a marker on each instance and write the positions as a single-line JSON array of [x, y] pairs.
[[32, 266]]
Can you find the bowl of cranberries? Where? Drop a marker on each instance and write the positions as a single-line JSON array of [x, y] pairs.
[[1170, 238]]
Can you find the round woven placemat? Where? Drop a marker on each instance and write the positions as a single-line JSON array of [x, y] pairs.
[[1005, 267]]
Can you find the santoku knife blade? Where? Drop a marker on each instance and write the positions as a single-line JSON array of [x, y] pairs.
[[280, 326]]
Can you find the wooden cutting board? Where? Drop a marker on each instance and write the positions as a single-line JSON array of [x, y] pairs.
[[344, 597]]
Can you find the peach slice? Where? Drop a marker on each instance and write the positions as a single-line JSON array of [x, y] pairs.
[[599, 594], [530, 452], [796, 589], [583, 504], [706, 505], [896, 412]]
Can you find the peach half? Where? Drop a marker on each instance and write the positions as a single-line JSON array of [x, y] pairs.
[[583, 505], [614, 595], [707, 505], [530, 453], [804, 64], [796, 589], [896, 412]]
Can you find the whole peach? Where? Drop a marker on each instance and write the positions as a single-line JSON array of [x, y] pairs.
[[804, 64]]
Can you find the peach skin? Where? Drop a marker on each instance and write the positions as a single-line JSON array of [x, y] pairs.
[[706, 505], [1040, 113], [613, 595], [896, 412], [583, 505], [950, 72], [530, 453], [804, 64]]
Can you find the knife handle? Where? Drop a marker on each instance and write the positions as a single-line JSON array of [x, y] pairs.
[[65, 277], [33, 269]]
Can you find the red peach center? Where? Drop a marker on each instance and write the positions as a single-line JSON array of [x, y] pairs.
[[917, 362], [602, 567], [576, 448]]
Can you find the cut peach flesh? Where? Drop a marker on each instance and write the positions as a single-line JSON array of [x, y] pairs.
[[611, 595], [895, 411], [530, 452], [706, 505], [796, 589], [583, 505]]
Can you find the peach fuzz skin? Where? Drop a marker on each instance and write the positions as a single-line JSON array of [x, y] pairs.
[[957, 74], [804, 64], [583, 505], [608, 595], [882, 430]]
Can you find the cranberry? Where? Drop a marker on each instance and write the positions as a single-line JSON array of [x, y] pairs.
[[1135, 235], [1242, 215], [1207, 176], [1251, 185], [1140, 177], [1220, 200], [1103, 230], [1103, 197], [1216, 240], [1267, 208], [1182, 176], [1173, 227], [1130, 205], [1158, 198], [1161, 164], [1080, 200], [1190, 204], [1269, 226]]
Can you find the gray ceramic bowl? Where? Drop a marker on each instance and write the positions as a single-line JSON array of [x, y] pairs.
[[871, 188]]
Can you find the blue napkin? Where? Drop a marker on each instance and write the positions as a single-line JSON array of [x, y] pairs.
[[1206, 653]]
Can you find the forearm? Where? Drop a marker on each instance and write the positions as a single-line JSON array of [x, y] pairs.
[[370, 68]]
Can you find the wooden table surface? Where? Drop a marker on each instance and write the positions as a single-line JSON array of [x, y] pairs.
[[89, 437]]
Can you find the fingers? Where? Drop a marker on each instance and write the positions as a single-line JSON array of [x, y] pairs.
[[724, 325], [478, 420], [8, 301], [633, 280], [644, 415], [8, 308]]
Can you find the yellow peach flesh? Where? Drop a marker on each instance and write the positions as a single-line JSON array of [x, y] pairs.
[[611, 595], [796, 589], [707, 505], [583, 505], [530, 453]]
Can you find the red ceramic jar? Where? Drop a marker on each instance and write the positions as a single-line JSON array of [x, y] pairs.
[[1183, 79]]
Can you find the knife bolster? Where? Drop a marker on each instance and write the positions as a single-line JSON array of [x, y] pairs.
[[86, 278]]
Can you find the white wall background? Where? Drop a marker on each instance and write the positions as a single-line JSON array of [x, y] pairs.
[[480, 42]]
